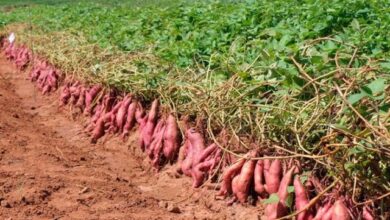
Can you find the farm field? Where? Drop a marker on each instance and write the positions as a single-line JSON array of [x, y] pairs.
[[279, 108]]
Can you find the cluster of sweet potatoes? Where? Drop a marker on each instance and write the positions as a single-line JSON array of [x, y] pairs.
[[265, 178], [45, 75], [20, 55], [160, 138]]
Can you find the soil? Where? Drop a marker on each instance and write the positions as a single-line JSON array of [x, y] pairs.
[[50, 170]]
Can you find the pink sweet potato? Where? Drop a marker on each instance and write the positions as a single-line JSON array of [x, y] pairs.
[[340, 211], [301, 200], [171, 139], [284, 183], [148, 128], [367, 213], [122, 111], [259, 179], [241, 188], [130, 119], [199, 172], [65, 95], [322, 210], [90, 95], [272, 176], [227, 177], [275, 210], [81, 101]]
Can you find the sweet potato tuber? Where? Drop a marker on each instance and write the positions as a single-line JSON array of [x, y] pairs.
[[130, 119], [245, 178], [171, 139], [90, 95], [301, 199], [340, 211], [272, 176], [259, 179], [228, 175]]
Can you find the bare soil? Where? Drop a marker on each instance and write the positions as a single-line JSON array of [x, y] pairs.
[[50, 170]]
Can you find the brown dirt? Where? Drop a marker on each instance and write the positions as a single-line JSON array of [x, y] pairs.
[[49, 170]]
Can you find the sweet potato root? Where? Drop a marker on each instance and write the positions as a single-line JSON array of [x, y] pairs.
[[301, 200], [171, 139], [259, 179], [272, 176], [227, 178]]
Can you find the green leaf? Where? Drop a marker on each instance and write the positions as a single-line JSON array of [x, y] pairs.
[[290, 189], [273, 198], [354, 98], [377, 86], [289, 200], [355, 25], [385, 65], [356, 150]]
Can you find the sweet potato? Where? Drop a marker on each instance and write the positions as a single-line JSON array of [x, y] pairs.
[[284, 183], [65, 95], [81, 101], [156, 139], [186, 165], [328, 214], [199, 172], [98, 131], [275, 210], [340, 211], [130, 119], [322, 211], [301, 199], [259, 179], [171, 139], [122, 111], [272, 177], [90, 95], [245, 178], [367, 213], [227, 177], [157, 144], [148, 129]]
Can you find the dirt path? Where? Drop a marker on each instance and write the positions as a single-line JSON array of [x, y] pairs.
[[49, 170]]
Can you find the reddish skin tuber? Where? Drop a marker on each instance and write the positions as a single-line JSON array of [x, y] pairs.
[[81, 101], [98, 131], [328, 214], [322, 211], [284, 183], [340, 211], [244, 180], [181, 156], [272, 176], [228, 175], [148, 128], [65, 95], [301, 200], [259, 179], [199, 172], [156, 138], [89, 97], [130, 119], [157, 150], [367, 213], [205, 153], [171, 139], [122, 111], [275, 210]]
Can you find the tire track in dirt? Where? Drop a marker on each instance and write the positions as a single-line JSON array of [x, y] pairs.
[[49, 170]]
